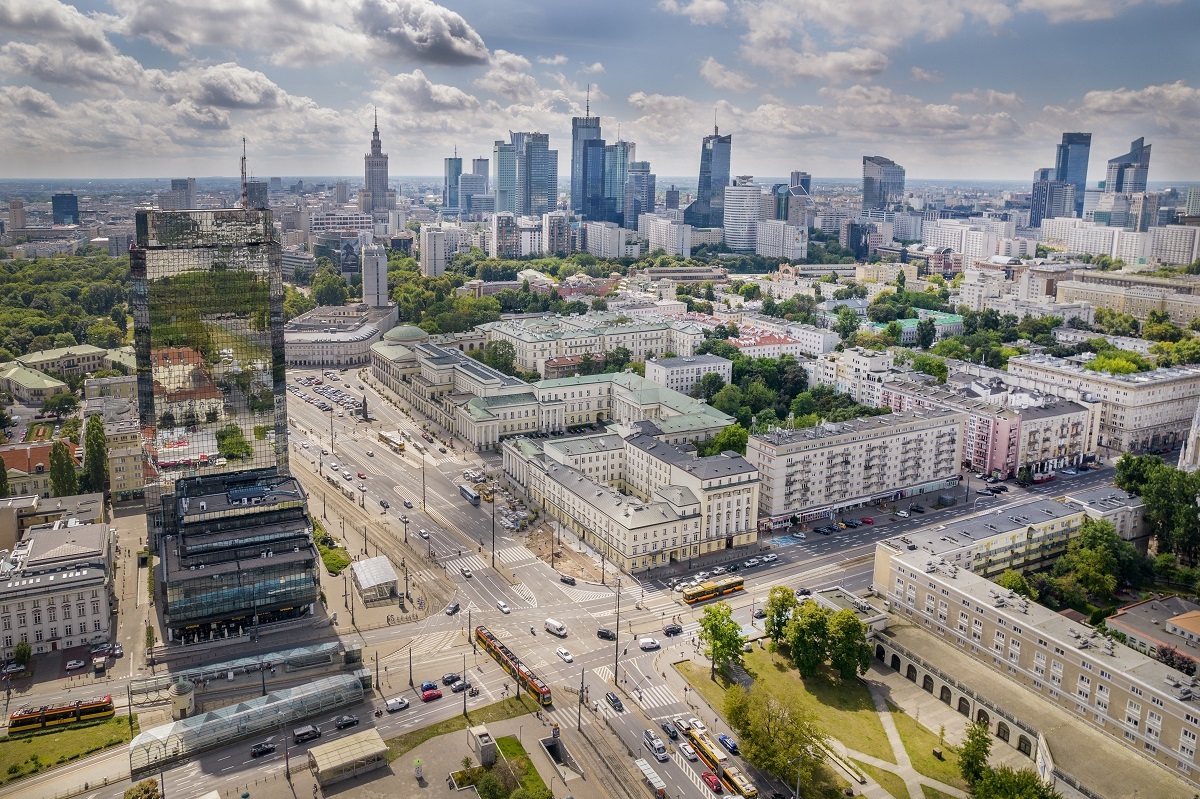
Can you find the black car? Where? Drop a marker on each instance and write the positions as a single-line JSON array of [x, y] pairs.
[[1000, 487], [615, 702], [672, 629], [408, 504], [450, 679], [670, 730], [452, 608], [342, 722], [606, 634], [383, 503], [803, 592], [733, 567], [264, 748], [566, 578], [853, 523], [917, 508], [759, 613]]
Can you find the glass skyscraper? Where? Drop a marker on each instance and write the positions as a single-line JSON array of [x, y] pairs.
[[583, 129], [616, 166], [504, 176], [1071, 165], [64, 208], [1128, 173], [882, 181], [708, 209], [453, 172], [537, 174]]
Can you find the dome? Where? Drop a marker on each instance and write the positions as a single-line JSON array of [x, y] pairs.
[[405, 334]]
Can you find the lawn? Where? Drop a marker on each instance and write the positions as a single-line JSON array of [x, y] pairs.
[[33, 753], [891, 782], [933, 793], [518, 758], [842, 710], [919, 742], [509, 708], [334, 557], [39, 432]]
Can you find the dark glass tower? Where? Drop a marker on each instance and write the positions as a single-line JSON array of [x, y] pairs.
[[583, 129], [1071, 165], [708, 209], [453, 172], [1128, 173], [65, 209], [595, 206], [882, 182]]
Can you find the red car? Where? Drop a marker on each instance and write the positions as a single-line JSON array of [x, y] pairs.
[[867, 520], [430, 695], [711, 781], [362, 476]]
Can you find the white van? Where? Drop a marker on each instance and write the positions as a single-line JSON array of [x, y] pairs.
[[648, 643], [556, 628], [655, 745]]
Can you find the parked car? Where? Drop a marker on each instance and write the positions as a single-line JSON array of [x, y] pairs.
[[260, 749], [799, 536], [917, 508], [803, 592], [728, 743], [853, 524], [867, 520], [752, 563], [987, 492], [614, 701], [771, 558], [342, 722], [75, 664], [903, 514]]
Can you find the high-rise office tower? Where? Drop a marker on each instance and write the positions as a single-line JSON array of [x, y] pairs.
[[537, 173], [639, 192], [479, 166], [671, 199], [595, 207], [376, 174], [65, 208], [470, 186], [1128, 173], [1071, 165], [504, 176], [256, 194], [708, 209], [1192, 208], [16, 215], [188, 187], [341, 192], [801, 179], [883, 182], [374, 274], [742, 212], [616, 166], [1050, 198], [583, 129], [451, 174]]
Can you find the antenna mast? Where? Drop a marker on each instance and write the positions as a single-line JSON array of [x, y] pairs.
[[245, 197], [588, 108]]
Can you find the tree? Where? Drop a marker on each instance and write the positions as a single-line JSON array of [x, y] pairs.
[[849, 652], [104, 333], [708, 386], [1005, 782], [1133, 471], [931, 365], [781, 604], [1015, 581], [720, 636], [501, 356], [60, 405], [774, 731], [847, 322], [22, 652], [329, 288], [731, 439], [95, 454], [926, 332], [146, 789], [64, 482], [807, 635], [973, 757], [5, 489]]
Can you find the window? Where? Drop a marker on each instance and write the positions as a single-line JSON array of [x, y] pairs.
[[96, 625], [1133, 689], [1187, 744], [1133, 714], [1153, 725]]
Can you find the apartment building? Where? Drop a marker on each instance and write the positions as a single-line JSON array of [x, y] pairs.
[[28, 466], [819, 471], [858, 372], [682, 374], [1135, 294], [1124, 511], [77, 360], [755, 344], [120, 387]]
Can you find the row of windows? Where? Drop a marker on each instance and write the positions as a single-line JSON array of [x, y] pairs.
[[6, 622], [39, 636]]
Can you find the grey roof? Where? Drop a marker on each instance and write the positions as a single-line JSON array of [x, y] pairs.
[[938, 539], [374, 571], [692, 360], [724, 465], [1105, 497]]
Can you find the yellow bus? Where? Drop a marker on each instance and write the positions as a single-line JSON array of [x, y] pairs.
[[393, 441], [712, 589]]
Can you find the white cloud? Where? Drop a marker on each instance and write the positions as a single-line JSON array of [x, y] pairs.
[[698, 12], [722, 77], [422, 30], [857, 63], [63, 64], [989, 98], [51, 19], [595, 68], [1081, 10], [927, 76], [554, 60], [413, 93], [508, 76]]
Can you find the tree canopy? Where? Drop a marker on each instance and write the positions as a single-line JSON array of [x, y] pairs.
[[720, 636]]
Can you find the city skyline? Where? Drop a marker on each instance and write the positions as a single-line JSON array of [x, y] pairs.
[[152, 90]]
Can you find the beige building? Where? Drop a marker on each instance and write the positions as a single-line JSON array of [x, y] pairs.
[[30, 385], [858, 372], [29, 467], [1126, 512], [819, 471], [77, 360], [1135, 294], [885, 272], [122, 387]]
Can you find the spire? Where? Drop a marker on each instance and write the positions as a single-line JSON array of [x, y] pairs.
[[587, 112], [376, 120], [716, 132]]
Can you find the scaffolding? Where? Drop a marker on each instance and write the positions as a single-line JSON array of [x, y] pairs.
[[181, 740]]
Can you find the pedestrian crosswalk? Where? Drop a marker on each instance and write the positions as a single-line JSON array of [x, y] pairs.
[[421, 577], [514, 555], [427, 644], [652, 696], [579, 595], [604, 673], [469, 561], [522, 590]]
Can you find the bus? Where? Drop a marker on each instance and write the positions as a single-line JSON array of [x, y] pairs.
[[512, 664], [393, 441], [36, 718], [712, 589], [469, 494], [736, 782]]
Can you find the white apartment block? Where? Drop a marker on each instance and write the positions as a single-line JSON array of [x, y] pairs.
[[672, 236], [530, 233], [1175, 244], [813, 340], [607, 240], [682, 374], [675, 506], [755, 344], [777, 239], [858, 372], [819, 471], [743, 210], [436, 244], [339, 220]]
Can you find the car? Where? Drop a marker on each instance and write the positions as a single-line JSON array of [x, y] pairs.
[[424, 534], [75, 664], [671, 732], [697, 725], [396, 705], [564, 654], [460, 686], [429, 696], [606, 634], [687, 751], [404, 519], [1070, 471], [324, 451], [711, 781], [1000, 487], [751, 563], [504, 608], [260, 749], [442, 449], [566, 578], [102, 648], [728, 743], [408, 504], [362, 486], [803, 592], [347, 476], [672, 629], [383, 503], [614, 702], [903, 514], [466, 572], [1023, 483], [342, 722], [771, 558], [341, 415], [309, 732], [648, 644], [362, 476], [799, 536], [759, 613], [304, 445], [917, 508], [370, 453], [428, 685], [702, 575], [680, 724], [14, 668], [453, 608], [987, 492], [853, 524], [718, 571], [993, 479], [840, 525], [733, 567], [867, 520], [450, 679]]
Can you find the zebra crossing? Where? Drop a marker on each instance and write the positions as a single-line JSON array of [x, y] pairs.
[[604, 673], [579, 595], [427, 644], [522, 590], [514, 554], [422, 576], [471, 561], [653, 696]]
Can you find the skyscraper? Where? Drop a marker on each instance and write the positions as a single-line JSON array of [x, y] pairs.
[[583, 129], [639, 192], [801, 179], [256, 194], [616, 165], [883, 182], [65, 208], [453, 169], [374, 274], [479, 166], [536, 173], [594, 206], [742, 212], [470, 186], [188, 187], [708, 209], [1128, 173], [1071, 165], [1050, 198], [504, 176], [16, 215], [376, 177], [1193, 203]]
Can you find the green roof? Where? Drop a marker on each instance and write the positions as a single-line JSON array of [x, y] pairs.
[[30, 378], [60, 352]]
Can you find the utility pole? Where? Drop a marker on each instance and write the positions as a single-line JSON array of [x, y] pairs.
[[467, 689], [422, 478], [470, 632], [410, 680], [579, 710], [617, 635], [494, 524], [376, 669]]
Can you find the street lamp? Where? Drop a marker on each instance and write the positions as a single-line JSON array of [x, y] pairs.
[[617, 634], [404, 520], [422, 478], [494, 525]]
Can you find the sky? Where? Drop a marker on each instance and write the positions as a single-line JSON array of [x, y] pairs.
[[950, 89]]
